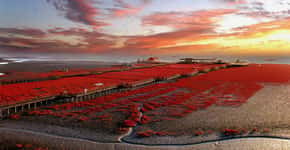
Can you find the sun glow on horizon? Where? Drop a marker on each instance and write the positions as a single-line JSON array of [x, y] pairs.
[[262, 42]]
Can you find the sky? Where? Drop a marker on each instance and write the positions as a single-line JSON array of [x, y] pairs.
[[134, 28]]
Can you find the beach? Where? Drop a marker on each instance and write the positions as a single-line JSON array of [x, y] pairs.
[[254, 115]]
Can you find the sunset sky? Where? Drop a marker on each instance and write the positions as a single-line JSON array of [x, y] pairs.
[[146, 27]]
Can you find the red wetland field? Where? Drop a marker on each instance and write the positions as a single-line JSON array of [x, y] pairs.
[[206, 106]]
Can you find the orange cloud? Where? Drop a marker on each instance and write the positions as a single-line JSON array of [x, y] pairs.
[[23, 31], [269, 38], [235, 2], [126, 9], [189, 26], [203, 19]]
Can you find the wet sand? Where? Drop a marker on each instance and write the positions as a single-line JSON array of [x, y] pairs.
[[267, 110], [58, 142]]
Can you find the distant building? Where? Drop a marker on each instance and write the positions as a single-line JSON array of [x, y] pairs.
[[152, 59], [149, 60], [187, 60], [65, 69], [197, 60]]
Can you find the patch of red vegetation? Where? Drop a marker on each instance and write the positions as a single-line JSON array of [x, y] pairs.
[[83, 118], [143, 109], [148, 133], [54, 74], [144, 119], [231, 132], [148, 107], [19, 145], [14, 116], [270, 73], [18, 92], [145, 133], [254, 130], [198, 133], [129, 123]]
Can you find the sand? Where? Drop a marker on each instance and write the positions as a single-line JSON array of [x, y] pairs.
[[80, 133], [267, 109], [58, 142]]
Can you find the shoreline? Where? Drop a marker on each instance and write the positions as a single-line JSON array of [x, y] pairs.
[[278, 133], [71, 143]]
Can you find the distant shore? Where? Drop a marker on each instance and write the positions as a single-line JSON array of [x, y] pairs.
[[45, 66]]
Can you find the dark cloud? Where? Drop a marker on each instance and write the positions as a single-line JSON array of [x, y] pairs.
[[31, 43], [75, 31], [23, 31], [43, 42], [81, 11]]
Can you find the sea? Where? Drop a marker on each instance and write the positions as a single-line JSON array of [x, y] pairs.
[[259, 60]]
